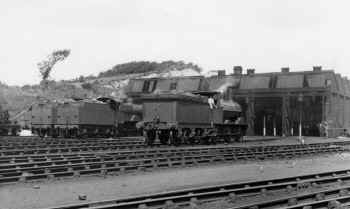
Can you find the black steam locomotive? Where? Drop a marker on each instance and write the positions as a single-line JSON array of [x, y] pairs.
[[185, 118]]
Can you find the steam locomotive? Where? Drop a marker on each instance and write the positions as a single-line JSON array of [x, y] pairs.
[[186, 118]]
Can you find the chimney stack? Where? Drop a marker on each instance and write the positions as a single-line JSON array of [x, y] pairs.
[[251, 71], [317, 68], [285, 70], [221, 73], [237, 70]]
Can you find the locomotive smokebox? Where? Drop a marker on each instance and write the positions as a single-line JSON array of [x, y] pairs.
[[285, 70], [237, 70], [221, 73], [317, 68], [250, 71]]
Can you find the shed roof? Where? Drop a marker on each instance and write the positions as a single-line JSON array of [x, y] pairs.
[[255, 82], [340, 84], [221, 84], [290, 81], [316, 80]]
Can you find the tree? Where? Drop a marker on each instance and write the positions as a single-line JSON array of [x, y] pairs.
[[45, 66], [81, 78], [87, 86]]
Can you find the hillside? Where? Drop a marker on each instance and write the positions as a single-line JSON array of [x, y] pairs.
[[107, 83], [146, 67]]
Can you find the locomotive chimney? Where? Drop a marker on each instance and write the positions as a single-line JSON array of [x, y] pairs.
[[251, 71], [221, 73], [285, 70], [317, 68], [237, 70]]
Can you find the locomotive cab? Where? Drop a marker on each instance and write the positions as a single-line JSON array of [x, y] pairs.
[[223, 111]]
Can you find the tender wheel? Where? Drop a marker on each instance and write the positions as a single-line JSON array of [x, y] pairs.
[[41, 133], [239, 138], [227, 139], [186, 136], [164, 137], [150, 137], [174, 137], [205, 140]]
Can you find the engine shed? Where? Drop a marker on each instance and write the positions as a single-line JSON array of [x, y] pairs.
[[144, 86], [280, 103]]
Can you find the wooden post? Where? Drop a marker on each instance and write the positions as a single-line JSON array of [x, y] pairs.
[[300, 100], [323, 108], [250, 114], [344, 112], [274, 126], [285, 116], [264, 126]]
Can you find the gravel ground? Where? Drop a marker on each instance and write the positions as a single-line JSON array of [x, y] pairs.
[[52, 193]]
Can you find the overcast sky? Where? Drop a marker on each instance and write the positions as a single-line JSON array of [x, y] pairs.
[[261, 34]]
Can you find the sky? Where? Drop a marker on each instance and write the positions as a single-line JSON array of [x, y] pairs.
[[261, 34]]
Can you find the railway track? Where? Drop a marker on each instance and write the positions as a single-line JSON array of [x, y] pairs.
[[69, 149], [117, 146], [49, 157], [108, 164], [314, 195], [8, 163], [51, 146], [51, 141], [65, 145], [142, 153]]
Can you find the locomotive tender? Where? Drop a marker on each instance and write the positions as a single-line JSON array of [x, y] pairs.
[[103, 117], [74, 119], [185, 118], [6, 127]]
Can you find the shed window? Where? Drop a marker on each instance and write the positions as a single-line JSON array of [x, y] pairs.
[[154, 85], [149, 86], [173, 85], [146, 86], [328, 82]]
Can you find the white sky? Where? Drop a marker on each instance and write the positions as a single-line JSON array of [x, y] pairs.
[[215, 34]]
